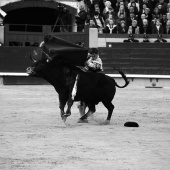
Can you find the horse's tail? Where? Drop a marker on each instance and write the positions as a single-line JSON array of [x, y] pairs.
[[123, 76]]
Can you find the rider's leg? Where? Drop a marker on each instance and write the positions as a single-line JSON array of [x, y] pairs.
[[82, 108], [90, 112]]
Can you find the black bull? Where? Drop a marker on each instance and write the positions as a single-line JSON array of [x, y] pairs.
[[92, 88]]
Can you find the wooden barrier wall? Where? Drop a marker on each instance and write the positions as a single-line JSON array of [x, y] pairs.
[[133, 58], [137, 58], [15, 59]]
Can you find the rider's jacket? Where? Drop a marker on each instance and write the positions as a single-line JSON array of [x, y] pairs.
[[94, 64]]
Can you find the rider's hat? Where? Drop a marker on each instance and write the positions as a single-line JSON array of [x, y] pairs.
[[93, 51]]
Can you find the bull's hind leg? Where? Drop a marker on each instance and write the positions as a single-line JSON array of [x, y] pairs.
[[110, 108], [91, 110]]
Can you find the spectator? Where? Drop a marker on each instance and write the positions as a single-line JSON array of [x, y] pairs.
[[121, 11], [133, 29], [92, 24], [130, 19], [113, 3], [148, 15], [122, 28], [90, 7], [145, 28], [65, 17], [168, 8], [107, 6], [80, 19], [153, 22], [109, 11], [117, 6], [130, 4], [115, 16], [110, 17], [99, 22], [157, 28], [121, 3], [163, 6], [168, 12], [120, 19], [160, 9], [111, 27], [1, 20], [147, 3], [88, 17], [167, 30], [96, 5], [164, 20], [102, 4], [153, 2], [132, 10], [142, 9], [95, 9], [136, 10], [142, 17], [156, 13]]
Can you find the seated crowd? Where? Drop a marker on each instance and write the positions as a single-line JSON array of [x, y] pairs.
[[126, 16]]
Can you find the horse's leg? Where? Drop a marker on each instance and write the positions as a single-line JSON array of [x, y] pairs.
[[82, 108], [62, 103], [72, 93], [91, 110], [69, 105], [110, 108]]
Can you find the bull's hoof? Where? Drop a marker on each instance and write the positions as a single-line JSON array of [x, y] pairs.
[[82, 121]]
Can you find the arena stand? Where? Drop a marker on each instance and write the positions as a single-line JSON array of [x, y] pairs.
[[145, 64]]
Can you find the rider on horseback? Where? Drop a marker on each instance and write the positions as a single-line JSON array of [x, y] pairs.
[[94, 62]]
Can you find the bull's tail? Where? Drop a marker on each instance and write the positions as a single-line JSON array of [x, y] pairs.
[[124, 77]]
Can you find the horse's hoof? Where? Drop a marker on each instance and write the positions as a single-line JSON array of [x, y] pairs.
[[82, 121], [106, 122], [64, 119]]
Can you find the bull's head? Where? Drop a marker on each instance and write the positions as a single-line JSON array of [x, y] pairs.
[[39, 58]]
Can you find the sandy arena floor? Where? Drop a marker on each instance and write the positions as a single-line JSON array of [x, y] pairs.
[[33, 136]]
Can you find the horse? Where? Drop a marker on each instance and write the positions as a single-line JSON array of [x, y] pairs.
[[92, 88]]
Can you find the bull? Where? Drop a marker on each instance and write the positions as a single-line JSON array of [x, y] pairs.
[[92, 88]]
